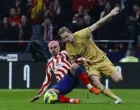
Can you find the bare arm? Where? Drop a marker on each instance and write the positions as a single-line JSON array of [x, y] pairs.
[[45, 85], [99, 23]]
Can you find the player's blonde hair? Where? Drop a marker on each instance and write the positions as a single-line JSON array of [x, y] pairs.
[[62, 30]]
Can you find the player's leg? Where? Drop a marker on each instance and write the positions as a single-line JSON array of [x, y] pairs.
[[106, 91], [62, 98], [107, 68], [116, 76], [110, 70], [53, 90], [80, 73], [65, 86]]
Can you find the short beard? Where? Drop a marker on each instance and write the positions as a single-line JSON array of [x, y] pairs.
[[54, 54]]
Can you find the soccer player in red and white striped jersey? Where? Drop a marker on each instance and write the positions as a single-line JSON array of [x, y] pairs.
[[67, 75]]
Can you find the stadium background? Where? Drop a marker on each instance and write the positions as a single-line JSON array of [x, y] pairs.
[[20, 70], [18, 29]]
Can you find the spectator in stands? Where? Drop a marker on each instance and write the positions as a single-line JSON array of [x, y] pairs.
[[77, 23], [129, 57], [106, 10], [87, 18], [136, 8], [49, 32], [80, 11], [56, 7], [73, 25], [48, 29], [37, 16], [57, 12], [14, 19], [85, 12], [36, 9], [87, 22], [101, 5], [84, 3], [134, 23], [80, 19], [104, 31], [48, 12], [25, 32], [80, 23], [18, 3], [21, 6], [123, 4], [25, 28], [7, 32]]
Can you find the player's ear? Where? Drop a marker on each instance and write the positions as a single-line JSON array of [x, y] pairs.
[[59, 48]]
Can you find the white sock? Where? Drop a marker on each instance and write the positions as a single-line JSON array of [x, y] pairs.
[[71, 100], [89, 86]]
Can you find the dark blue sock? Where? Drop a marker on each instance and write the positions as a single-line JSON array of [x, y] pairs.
[[79, 71]]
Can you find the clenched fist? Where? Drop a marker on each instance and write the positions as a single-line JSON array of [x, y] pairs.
[[115, 11]]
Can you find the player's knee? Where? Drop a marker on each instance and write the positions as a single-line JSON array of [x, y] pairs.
[[53, 90], [73, 67], [117, 76], [118, 79], [94, 82]]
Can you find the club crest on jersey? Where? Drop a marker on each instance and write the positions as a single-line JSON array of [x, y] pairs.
[[58, 65]]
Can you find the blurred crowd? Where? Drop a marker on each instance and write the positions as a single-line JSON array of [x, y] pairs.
[[41, 19]]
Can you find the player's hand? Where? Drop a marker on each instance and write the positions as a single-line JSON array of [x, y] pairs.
[[88, 61], [115, 11], [34, 99]]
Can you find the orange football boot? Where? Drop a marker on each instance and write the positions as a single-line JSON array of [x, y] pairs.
[[76, 101], [95, 90]]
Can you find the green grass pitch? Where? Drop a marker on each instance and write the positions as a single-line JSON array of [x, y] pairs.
[[19, 100]]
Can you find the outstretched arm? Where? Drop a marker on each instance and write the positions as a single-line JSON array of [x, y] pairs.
[[99, 23], [45, 85], [42, 90]]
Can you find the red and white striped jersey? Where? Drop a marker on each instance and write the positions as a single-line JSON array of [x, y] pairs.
[[59, 66]]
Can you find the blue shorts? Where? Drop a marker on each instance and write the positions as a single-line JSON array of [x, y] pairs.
[[67, 84]]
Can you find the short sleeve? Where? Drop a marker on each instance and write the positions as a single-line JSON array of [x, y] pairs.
[[84, 33], [70, 51]]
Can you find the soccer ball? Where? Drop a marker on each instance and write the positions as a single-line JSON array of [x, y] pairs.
[[50, 97]]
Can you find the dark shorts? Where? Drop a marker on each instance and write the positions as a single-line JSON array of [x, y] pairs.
[[67, 84]]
